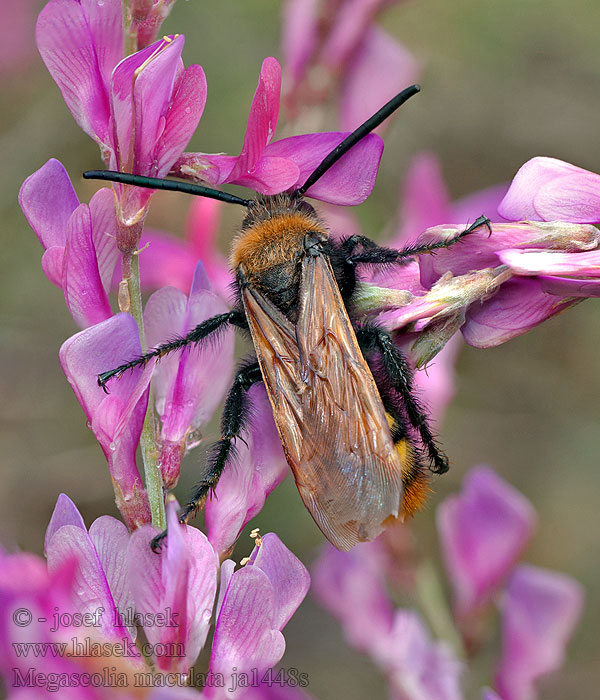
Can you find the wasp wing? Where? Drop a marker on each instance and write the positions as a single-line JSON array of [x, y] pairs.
[[327, 409]]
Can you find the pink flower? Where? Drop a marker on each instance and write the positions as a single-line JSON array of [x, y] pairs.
[[351, 586], [73, 606], [30, 597], [191, 384], [539, 613], [180, 581], [483, 286], [115, 419], [270, 168], [16, 50], [243, 488], [81, 41], [255, 604], [327, 43], [483, 531], [168, 261], [547, 189], [100, 582], [141, 110], [491, 287], [79, 240], [417, 667]]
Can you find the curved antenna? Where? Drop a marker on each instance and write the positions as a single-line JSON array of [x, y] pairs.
[[358, 134], [157, 183]]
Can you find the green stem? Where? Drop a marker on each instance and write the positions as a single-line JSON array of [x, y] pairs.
[[129, 37], [435, 608], [153, 477]]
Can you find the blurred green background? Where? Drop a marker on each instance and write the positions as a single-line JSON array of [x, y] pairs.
[[504, 80]]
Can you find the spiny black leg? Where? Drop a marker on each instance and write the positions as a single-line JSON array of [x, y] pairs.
[[378, 255], [233, 421], [396, 369], [196, 335]]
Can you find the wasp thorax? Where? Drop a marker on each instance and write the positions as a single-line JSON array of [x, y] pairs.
[[270, 243]]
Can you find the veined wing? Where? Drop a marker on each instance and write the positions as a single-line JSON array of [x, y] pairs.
[[327, 409]]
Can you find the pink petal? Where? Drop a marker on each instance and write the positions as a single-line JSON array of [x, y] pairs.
[[262, 120], [269, 176], [187, 105], [516, 308], [351, 586], [573, 198], [417, 667], [180, 582], [483, 530], [201, 230], [165, 262], [95, 350], [350, 181], [351, 24], [380, 68], [65, 513], [53, 263], [260, 599], [111, 539], [48, 199], [91, 585], [565, 287], [84, 293], [191, 384], [287, 574], [299, 37], [483, 202], [245, 485], [80, 43], [519, 202], [152, 95], [552, 262], [190, 577], [482, 249], [141, 89], [245, 635], [424, 199], [117, 419], [104, 234], [539, 613]]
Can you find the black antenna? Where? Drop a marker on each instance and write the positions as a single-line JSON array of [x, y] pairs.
[[358, 134], [157, 183]]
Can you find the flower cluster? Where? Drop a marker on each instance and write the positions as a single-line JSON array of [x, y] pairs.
[[131, 93], [483, 531], [103, 588]]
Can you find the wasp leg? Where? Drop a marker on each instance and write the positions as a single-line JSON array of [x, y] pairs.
[[196, 335], [235, 417], [374, 254], [396, 371]]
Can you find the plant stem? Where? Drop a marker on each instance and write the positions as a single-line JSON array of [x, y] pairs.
[[153, 477], [434, 606]]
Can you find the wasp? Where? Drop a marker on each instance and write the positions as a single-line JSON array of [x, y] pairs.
[[353, 431]]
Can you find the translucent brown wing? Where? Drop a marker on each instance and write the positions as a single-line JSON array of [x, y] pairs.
[[327, 409]]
